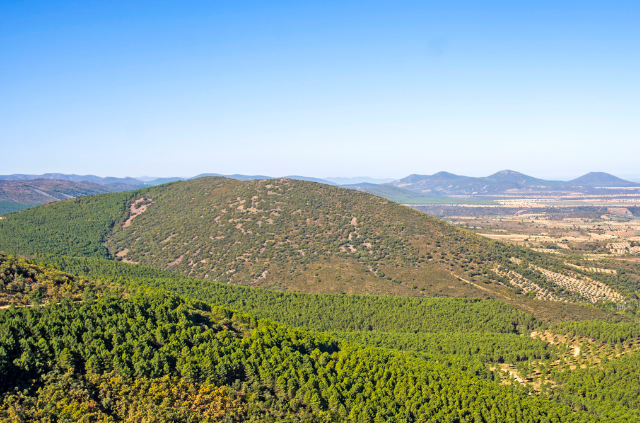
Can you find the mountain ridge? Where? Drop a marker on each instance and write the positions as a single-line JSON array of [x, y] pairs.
[[445, 183], [18, 195]]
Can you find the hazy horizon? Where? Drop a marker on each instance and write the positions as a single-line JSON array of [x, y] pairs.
[[353, 179]]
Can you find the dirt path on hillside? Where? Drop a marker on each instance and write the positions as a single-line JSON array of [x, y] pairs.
[[135, 211]]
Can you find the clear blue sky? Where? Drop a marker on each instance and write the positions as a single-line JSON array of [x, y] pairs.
[[383, 89]]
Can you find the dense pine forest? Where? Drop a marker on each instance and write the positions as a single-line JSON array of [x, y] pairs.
[[217, 301], [116, 350]]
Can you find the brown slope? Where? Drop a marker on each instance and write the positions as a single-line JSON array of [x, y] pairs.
[[311, 237], [288, 234]]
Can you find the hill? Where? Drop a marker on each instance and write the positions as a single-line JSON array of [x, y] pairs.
[[444, 183], [601, 179], [521, 180], [302, 236], [21, 194]]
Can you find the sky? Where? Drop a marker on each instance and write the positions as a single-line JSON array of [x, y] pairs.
[[383, 89]]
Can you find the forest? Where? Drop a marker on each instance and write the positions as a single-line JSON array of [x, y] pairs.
[[112, 345], [141, 353]]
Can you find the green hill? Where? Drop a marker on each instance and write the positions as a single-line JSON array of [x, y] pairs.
[[297, 236]]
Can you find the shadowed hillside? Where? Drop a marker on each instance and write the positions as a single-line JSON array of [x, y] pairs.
[[18, 195]]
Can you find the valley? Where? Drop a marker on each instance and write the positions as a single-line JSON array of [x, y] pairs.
[[595, 227]]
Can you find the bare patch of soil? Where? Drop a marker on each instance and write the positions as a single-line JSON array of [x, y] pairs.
[[135, 211], [176, 261]]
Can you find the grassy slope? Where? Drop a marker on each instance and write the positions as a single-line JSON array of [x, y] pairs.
[[286, 234]]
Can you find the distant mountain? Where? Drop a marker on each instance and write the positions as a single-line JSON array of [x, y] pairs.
[[600, 179], [359, 180], [19, 195], [444, 183], [382, 190], [146, 178], [403, 190], [520, 179], [134, 183]]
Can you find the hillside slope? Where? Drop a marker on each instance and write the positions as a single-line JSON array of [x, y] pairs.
[[124, 351], [296, 235], [154, 356], [281, 233]]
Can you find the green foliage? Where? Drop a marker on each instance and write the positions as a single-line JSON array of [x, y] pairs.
[[75, 227], [597, 330], [483, 346], [612, 391], [26, 283], [99, 346], [110, 397], [320, 312]]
